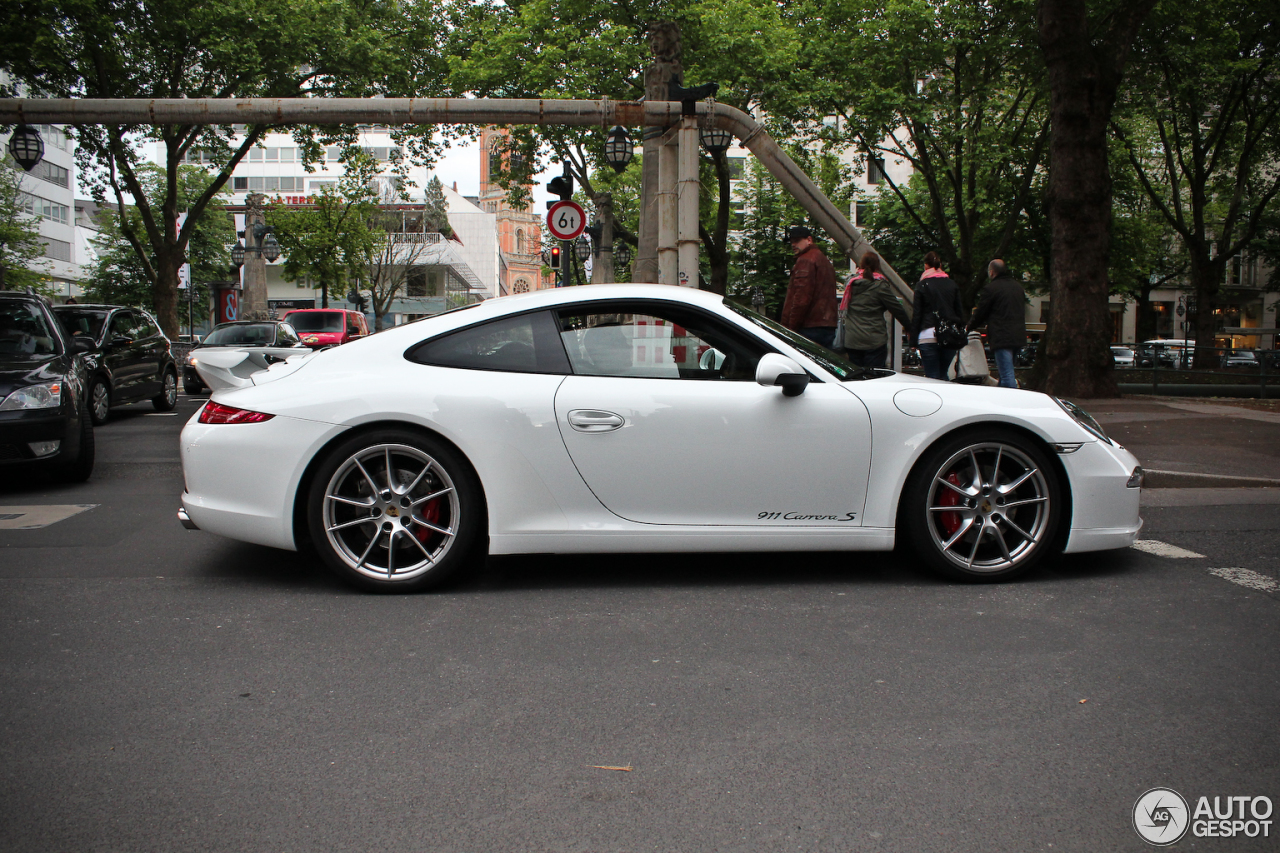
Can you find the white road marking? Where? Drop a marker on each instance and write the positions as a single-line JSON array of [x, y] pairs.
[[33, 517], [1247, 577], [160, 415], [1164, 549]]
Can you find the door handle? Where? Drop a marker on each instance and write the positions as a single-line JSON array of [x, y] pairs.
[[594, 420]]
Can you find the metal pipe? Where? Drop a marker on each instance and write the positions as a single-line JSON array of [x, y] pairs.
[[668, 251], [393, 111], [687, 240]]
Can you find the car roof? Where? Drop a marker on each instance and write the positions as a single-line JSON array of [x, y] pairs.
[[96, 306]]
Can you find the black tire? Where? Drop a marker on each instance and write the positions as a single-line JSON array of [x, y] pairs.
[[427, 531], [192, 387], [1002, 525], [99, 400], [168, 397], [79, 470]]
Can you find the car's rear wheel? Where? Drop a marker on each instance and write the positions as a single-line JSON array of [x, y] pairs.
[[982, 506], [396, 511], [99, 401], [191, 386], [168, 396]]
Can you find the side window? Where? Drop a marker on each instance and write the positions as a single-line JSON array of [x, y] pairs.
[[286, 336], [122, 325], [656, 342], [527, 343], [147, 327]]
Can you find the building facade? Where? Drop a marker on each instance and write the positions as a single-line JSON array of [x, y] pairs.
[[519, 230]]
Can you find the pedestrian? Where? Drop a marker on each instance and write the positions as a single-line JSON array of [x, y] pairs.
[[1002, 307], [811, 305], [937, 297], [866, 299]]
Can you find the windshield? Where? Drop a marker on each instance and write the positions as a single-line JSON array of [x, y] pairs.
[[845, 371], [82, 321], [315, 321], [24, 330], [249, 334]]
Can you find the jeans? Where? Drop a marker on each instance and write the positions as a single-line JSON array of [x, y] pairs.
[[821, 335], [1004, 364], [868, 357], [936, 359]]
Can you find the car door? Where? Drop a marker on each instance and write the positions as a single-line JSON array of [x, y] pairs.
[[152, 353], [666, 424], [121, 357]]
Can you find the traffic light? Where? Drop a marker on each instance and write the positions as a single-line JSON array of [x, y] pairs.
[[555, 258], [562, 186]]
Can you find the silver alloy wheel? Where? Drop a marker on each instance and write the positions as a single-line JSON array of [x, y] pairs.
[[391, 512], [100, 401], [988, 507], [170, 390]]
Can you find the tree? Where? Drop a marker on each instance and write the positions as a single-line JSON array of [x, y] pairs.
[[1200, 124], [118, 275], [20, 242], [1085, 46], [329, 242], [232, 48], [953, 89], [400, 244]]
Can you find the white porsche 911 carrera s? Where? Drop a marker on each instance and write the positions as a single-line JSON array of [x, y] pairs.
[[637, 418]]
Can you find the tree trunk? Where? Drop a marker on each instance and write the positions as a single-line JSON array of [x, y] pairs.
[[164, 293], [1207, 275], [1083, 79]]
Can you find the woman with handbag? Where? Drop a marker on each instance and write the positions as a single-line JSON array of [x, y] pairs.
[[937, 327]]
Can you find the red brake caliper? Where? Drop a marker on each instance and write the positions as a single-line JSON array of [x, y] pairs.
[[429, 513], [950, 520]]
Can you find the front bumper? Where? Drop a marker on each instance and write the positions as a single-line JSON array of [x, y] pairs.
[[19, 430], [1105, 511]]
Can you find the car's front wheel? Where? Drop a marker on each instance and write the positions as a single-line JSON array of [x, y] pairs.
[[982, 506], [396, 511], [168, 396], [99, 401]]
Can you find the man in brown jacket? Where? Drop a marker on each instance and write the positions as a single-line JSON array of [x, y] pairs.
[[811, 305]]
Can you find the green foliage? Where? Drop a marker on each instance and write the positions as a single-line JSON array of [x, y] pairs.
[[435, 212], [231, 48], [328, 244], [117, 276], [954, 89], [20, 244]]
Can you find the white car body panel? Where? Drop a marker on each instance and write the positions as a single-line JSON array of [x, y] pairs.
[[692, 469]]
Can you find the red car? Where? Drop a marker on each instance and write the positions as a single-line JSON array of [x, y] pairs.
[[327, 327]]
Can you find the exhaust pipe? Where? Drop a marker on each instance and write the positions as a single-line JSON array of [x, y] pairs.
[[186, 519]]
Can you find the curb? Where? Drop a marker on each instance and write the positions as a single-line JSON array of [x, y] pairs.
[[1155, 479]]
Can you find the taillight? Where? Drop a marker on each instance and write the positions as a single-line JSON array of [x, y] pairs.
[[216, 413]]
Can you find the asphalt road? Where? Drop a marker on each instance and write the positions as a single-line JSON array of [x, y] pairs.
[[166, 690]]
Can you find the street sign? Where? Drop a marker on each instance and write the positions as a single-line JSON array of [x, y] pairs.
[[566, 220]]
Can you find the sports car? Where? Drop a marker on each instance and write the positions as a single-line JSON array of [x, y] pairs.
[[638, 418]]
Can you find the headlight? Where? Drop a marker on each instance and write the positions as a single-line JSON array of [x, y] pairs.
[[1083, 418], [46, 396], [191, 360]]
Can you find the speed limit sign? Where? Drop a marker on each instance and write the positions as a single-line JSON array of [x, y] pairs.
[[566, 220]]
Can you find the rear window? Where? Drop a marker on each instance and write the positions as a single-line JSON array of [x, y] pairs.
[[251, 334], [528, 343], [316, 321], [82, 321]]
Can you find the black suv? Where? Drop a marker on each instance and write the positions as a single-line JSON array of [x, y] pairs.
[[130, 358], [44, 418]]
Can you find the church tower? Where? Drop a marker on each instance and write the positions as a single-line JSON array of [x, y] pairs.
[[519, 230]]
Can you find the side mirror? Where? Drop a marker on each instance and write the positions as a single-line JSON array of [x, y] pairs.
[[775, 369], [121, 341], [81, 344]]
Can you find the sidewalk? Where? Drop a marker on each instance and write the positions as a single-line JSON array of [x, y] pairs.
[[1212, 452]]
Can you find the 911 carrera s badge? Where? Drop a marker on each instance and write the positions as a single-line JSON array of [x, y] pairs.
[[804, 516]]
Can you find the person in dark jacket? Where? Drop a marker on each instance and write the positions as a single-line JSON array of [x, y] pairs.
[[1002, 307], [866, 299], [936, 296], [810, 307]]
